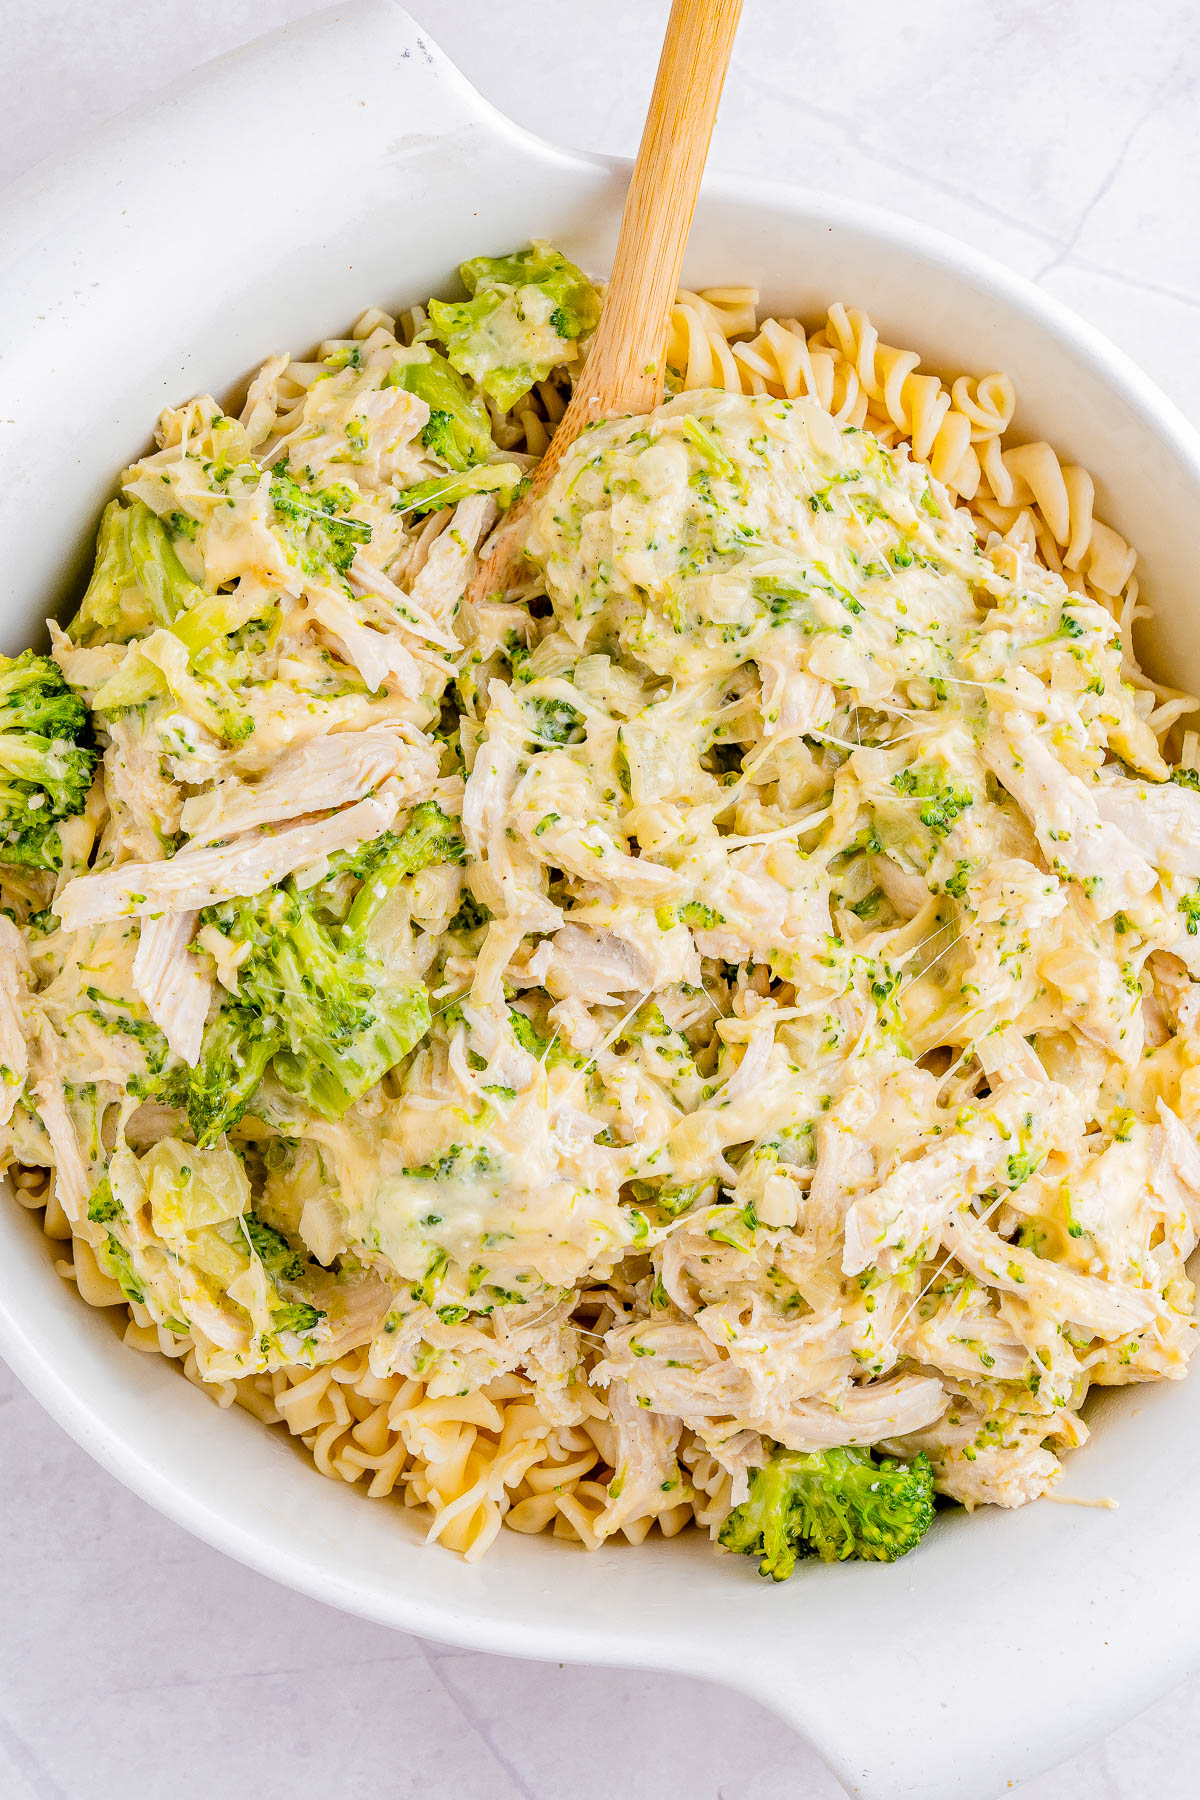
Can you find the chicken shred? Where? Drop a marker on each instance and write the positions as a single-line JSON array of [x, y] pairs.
[[176, 986]]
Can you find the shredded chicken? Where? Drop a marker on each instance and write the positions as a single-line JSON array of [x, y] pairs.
[[1073, 830], [642, 1453], [448, 568], [72, 1178], [1105, 1309], [176, 985], [325, 773], [1160, 819], [379, 656], [198, 877]]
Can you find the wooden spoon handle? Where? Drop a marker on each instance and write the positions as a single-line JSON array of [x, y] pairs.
[[625, 366], [626, 363]]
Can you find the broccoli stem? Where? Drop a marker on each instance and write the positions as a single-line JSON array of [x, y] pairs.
[[213, 617], [430, 836]]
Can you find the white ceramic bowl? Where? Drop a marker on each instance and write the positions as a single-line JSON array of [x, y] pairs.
[[265, 203]]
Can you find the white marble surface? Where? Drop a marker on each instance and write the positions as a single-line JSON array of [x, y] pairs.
[[1065, 137]]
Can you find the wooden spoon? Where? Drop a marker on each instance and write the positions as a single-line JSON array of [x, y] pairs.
[[625, 368]]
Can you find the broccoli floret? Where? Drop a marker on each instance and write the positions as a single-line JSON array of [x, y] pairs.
[[330, 1075], [298, 1316], [551, 1051], [700, 916], [524, 314], [438, 438], [788, 601], [831, 1504], [673, 1197], [471, 914], [431, 836], [34, 697], [703, 439], [272, 1249], [313, 1000], [292, 974], [576, 303], [45, 770], [459, 432], [138, 581], [321, 533], [233, 1059], [941, 800], [103, 1205], [115, 1260]]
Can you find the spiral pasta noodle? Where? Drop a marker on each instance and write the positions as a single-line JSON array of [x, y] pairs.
[[1024, 493]]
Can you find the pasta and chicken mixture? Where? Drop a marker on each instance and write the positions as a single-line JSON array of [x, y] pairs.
[[708, 1034]]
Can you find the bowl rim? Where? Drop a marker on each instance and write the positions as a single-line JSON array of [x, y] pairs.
[[28, 208]]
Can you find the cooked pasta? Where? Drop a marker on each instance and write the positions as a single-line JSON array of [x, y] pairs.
[[729, 999]]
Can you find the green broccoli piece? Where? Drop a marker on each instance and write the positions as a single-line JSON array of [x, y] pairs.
[[831, 1504], [471, 914], [272, 1249], [551, 1051], [45, 770], [955, 883], [138, 581], [699, 915], [298, 1316], [234, 1054], [293, 975], [459, 432], [557, 721], [211, 618], [524, 313], [281, 1263], [431, 836], [103, 1206], [673, 1197], [502, 479], [330, 1075], [703, 439], [116, 1261], [312, 1000], [34, 697], [316, 523], [942, 800], [576, 302], [788, 601]]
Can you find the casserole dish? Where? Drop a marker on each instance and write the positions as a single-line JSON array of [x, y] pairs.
[[167, 258]]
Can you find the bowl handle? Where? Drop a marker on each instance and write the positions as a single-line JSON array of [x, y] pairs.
[[432, 94]]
